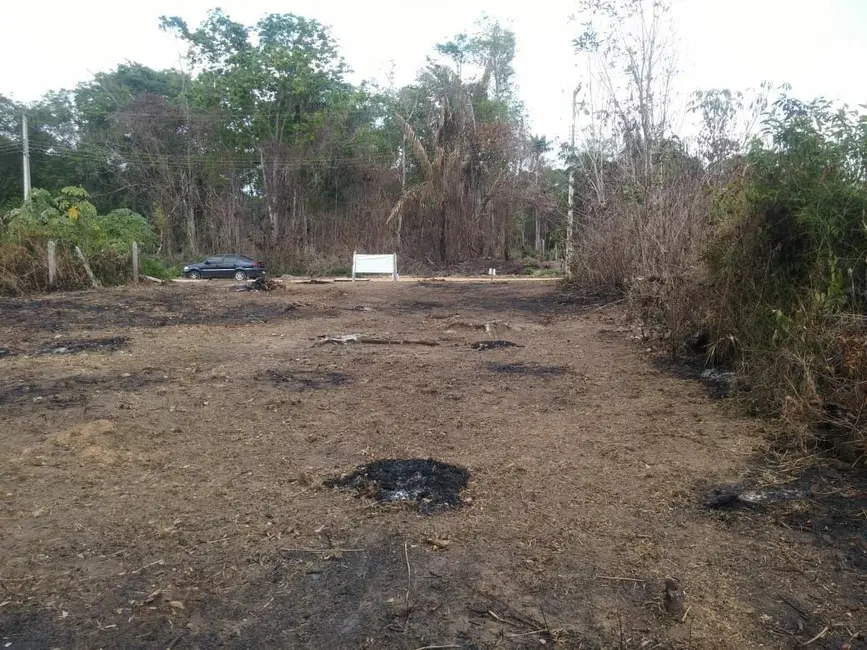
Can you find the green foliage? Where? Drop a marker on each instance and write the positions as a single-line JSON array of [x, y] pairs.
[[72, 220], [157, 268], [793, 229], [787, 267], [267, 147]]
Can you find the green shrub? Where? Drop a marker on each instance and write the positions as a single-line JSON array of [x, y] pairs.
[[71, 219], [787, 268], [157, 268]]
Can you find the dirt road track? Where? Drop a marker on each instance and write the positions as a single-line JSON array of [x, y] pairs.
[[169, 493]]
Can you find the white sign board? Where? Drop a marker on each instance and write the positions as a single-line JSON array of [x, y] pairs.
[[374, 264]]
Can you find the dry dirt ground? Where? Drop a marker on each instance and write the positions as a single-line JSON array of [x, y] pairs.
[[162, 486]]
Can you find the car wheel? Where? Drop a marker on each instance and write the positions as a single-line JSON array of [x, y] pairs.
[[240, 276], [195, 275]]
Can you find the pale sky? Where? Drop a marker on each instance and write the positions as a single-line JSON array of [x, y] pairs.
[[820, 47]]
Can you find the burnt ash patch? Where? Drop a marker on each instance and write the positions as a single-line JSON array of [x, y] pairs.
[[733, 497], [824, 501], [528, 369], [432, 484], [74, 390], [307, 379], [50, 395], [484, 346], [315, 600], [108, 344], [160, 307], [719, 381]]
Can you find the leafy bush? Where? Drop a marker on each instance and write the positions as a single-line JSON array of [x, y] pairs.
[[787, 268], [155, 267], [70, 218]]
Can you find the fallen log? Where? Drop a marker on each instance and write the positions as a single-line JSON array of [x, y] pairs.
[[399, 341], [343, 339]]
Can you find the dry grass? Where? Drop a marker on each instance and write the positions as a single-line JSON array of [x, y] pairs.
[[24, 269], [208, 520]]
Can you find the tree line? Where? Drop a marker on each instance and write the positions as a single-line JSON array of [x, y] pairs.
[[265, 146], [744, 244]]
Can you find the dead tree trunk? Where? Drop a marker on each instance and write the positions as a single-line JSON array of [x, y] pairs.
[[270, 199]]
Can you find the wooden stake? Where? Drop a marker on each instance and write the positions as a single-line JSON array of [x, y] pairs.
[[135, 262], [93, 281], [52, 263], [620, 578]]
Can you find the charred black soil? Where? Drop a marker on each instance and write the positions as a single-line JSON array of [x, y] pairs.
[[170, 493]]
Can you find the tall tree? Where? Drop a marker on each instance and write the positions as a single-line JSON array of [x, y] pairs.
[[272, 83], [465, 144]]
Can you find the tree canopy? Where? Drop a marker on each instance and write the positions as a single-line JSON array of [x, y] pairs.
[[264, 145]]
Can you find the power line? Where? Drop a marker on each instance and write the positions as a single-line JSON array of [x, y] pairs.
[[218, 162], [107, 155]]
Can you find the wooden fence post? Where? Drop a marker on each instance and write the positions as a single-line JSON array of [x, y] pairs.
[[52, 263], [93, 281], [135, 262]]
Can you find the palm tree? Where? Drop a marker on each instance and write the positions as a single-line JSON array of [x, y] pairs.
[[539, 146]]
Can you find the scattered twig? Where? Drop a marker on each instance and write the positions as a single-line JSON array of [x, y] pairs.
[[620, 626], [236, 476], [174, 642], [139, 570], [817, 637], [438, 647], [408, 575], [502, 620], [607, 304], [685, 614], [324, 550], [543, 631], [620, 578]]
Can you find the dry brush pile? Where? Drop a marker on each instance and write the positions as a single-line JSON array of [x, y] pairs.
[[748, 247], [756, 262]]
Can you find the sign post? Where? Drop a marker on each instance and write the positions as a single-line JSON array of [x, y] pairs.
[[374, 264]]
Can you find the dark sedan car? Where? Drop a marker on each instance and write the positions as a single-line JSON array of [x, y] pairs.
[[239, 267]]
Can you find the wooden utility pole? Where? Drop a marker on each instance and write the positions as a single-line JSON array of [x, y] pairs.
[[26, 162], [570, 215]]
